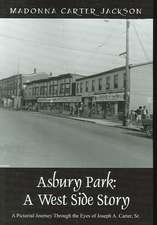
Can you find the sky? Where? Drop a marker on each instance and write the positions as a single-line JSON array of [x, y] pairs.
[[81, 46]]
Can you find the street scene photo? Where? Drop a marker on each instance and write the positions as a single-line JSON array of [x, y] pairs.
[[76, 93]]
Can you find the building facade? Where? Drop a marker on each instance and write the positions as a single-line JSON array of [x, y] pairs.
[[98, 96], [102, 94], [56, 93], [11, 91], [141, 86]]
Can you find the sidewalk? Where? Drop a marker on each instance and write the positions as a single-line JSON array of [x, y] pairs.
[[103, 122], [107, 123]]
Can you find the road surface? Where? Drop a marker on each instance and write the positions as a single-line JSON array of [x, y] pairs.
[[30, 139]]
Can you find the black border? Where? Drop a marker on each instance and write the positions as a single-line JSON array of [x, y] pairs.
[[149, 6]]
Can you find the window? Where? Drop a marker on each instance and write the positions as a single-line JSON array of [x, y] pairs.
[[33, 91], [107, 82], [124, 80], [51, 89], [93, 85], [41, 90], [81, 87], [86, 86], [55, 90], [30, 91], [67, 89], [100, 84], [37, 91], [116, 81], [77, 88], [45, 90], [61, 88], [67, 80], [55, 82]]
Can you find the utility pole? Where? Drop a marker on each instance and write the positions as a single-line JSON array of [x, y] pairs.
[[126, 77]]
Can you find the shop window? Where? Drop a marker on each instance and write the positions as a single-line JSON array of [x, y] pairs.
[[107, 82], [86, 86], [93, 85], [116, 81], [100, 84]]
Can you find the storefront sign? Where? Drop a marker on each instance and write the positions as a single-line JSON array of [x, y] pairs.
[[109, 97], [88, 95], [60, 99], [44, 100]]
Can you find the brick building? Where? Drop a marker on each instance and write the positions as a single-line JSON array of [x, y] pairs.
[[12, 88], [99, 95], [11, 91], [55, 93]]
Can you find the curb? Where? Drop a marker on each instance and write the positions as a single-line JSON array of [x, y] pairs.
[[128, 128], [79, 119], [89, 121]]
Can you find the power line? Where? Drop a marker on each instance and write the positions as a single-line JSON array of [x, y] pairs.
[[52, 46], [141, 44]]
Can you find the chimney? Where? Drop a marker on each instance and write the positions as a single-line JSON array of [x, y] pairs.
[[50, 74], [35, 70]]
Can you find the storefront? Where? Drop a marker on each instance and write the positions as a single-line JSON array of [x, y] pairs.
[[7, 103], [109, 105], [30, 104], [87, 103], [65, 105]]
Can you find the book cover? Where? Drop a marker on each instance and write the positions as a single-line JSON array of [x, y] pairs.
[[77, 112]]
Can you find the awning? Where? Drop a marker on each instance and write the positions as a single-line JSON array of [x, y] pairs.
[[109, 97], [60, 99]]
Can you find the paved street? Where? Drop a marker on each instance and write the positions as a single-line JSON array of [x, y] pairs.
[[30, 139]]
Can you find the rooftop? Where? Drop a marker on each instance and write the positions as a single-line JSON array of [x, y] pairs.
[[61, 76], [34, 76], [102, 73]]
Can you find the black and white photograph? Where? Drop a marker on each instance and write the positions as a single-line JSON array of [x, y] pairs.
[[76, 93]]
